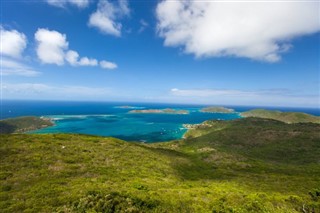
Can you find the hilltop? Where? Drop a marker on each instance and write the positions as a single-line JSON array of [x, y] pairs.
[[23, 124], [244, 165], [287, 117]]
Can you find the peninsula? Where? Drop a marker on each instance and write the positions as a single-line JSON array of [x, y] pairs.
[[287, 117], [215, 109], [160, 111], [24, 124]]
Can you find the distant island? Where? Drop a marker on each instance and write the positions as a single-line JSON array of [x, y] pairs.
[[214, 109], [287, 117], [128, 107], [24, 124], [160, 111]]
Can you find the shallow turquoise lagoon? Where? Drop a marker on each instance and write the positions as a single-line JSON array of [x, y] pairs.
[[132, 127]]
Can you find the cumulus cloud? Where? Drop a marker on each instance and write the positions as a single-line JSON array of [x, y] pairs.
[[106, 17], [53, 48], [12, 46], [13, 42], [257, 30], [63, 3], [266, 97], [85, 61], [108, 65], [12, 67], [73, 58]]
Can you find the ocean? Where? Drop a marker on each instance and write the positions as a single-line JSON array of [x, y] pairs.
[[110, 119]]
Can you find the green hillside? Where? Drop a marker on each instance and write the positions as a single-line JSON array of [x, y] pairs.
[[287, 117], [23, 124], [245, 165]]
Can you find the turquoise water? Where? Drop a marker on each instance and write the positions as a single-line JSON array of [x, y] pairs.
[[131, 127], [109, 119]]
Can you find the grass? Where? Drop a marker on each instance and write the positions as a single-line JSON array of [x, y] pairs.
[[246, 165]]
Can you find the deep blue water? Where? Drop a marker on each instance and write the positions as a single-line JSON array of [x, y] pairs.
[[107, 119]]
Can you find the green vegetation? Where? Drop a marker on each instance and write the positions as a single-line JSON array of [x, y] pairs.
[[23, 124], [287, 117], [217, 110], [245, 165], [160, 111], [196, 130]]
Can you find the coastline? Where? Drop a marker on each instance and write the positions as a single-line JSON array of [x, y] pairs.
[[46, 119], [24, 124], [164, 128]]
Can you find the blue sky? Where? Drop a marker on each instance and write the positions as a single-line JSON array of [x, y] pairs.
[[223, 53]]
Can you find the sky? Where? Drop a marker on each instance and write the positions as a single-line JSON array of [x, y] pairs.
[[257, 53]]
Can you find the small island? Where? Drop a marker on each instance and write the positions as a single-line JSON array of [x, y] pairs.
[[286, 117], [217, 109], [24, 124], [128, 107], [160, 111]]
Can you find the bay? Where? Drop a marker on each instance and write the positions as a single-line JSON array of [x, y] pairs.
[[114, 120]]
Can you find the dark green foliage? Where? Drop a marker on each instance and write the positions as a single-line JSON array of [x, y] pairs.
[[140, 186], [315, 194], [6, 128], [113, 202], [264, 139], [222, 207], [23, 124]]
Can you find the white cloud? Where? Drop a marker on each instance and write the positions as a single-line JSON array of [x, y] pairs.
[[267, 97], [258, 30], [73, 58], [55, 92], [12, 46], [108, 65], [107, 16], [51, 46], [85, 61], [11, 67], [63, 3], [13, 42]]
